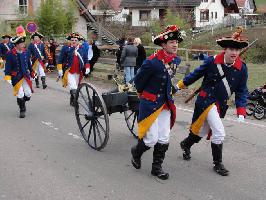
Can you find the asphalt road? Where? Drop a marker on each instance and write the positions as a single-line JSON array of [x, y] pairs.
[[43, 157]]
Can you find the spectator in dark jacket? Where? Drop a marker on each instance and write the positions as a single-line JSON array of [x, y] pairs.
[[53, 46], [141, 54], [95, 50], [118, 53], [128, 59]]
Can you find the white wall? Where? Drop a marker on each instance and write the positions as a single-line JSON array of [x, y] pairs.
[[212, 7], [247, 8], [36, 5], [120, 17], [9, 12], [135, 17], [8, 9]]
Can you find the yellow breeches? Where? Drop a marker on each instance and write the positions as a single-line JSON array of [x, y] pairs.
[[35, 65], [196, 126], [145, 124], [17, 86], [65, 78]]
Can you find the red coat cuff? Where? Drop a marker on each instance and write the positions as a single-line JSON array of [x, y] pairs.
[[241, 111], [87, 65], [32, 74]]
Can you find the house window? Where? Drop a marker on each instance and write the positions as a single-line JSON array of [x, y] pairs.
[[216, 15], [23, 7], [204, 15], [144, 15], [211, 15], [205, 1], [213, 1]]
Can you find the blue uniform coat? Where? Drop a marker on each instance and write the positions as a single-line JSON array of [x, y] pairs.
[[214, 90], [66, 59], [153, 83], [67, 55], [37, 55], [4, 49], [18, 67]]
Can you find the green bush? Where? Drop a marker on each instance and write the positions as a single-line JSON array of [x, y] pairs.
[[146, 39], [54, 18]]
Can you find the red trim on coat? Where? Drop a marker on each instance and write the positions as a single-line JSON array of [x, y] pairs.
[[151, 57], [209, 135], [42, 64], [13, 73], [29, 83], [241, 111], [32, 74], [148, 96], [80, 77], [219, 59], [163, 56], [14, 50], [87, 66], [172, 108], [166, 107], [203, 93]]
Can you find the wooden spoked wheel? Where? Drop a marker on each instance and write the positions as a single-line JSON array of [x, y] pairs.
[[131, 121], [91, 115]]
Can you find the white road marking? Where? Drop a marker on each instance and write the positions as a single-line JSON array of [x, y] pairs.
[[228, 119], [50, 124], [75, 136]]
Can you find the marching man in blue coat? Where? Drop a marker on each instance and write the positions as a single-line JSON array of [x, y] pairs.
[[223, 75], [5, 47], [72, 64], [157, 110], [39, 58], [18, 72]]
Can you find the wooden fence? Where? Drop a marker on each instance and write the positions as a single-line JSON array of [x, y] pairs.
[[186, 52]]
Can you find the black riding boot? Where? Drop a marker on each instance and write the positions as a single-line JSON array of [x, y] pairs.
[[72, 97], [158, 157], [22, 107], [37, 82], [44, 85], [187, 143], [218, 167], [137, 152]]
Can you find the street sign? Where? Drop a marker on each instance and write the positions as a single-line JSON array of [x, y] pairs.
[[31, 27]]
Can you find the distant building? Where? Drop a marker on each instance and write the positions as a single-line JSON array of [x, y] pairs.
[[246, 6], [199, 13], [10, 10]]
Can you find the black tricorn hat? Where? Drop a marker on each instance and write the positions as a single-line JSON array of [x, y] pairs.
[[18, 39], [37, 34], [74, 35], [235, 41], [172, 32], [6, 36]]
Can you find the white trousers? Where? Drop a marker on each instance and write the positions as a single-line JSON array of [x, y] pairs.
[[24, 90], [39, 70], [73, 81], [159, 131], [214, 123]]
